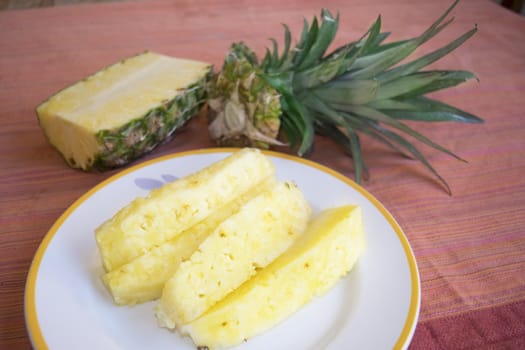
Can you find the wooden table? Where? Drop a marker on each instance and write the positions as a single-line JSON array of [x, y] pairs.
[[470, 246]]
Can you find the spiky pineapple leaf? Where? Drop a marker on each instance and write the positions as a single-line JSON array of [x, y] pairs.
[[368, 66], [287, 44], [349, 92], [367, 127], [355, 145], [325, 36], [372, 114], [365, 43], [443, 80], [422, 82], [428, 110], [371, 40], [401, 141], [353, 148], [437, 26], [308, 39], [324, 72], [424, 61], [301, 122]]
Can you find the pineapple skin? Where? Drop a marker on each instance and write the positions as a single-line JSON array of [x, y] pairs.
[[240, 246], [134, 135], [318, 259], [143, 278], [173, 208], [140, 136]]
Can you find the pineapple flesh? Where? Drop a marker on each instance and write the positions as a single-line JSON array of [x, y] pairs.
[[175, 207], [240, 246], [123, 111], [327, 251], [143, 278]]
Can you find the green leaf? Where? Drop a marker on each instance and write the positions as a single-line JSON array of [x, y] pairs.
[[287, 42], [365, 43], [348, 92], [425, 60], [291, 130], [274, 61], [437, 26], [267, 59], [312, 101], [445, 80], [420, 81], [321, 73], [355, 145], [354, 50], [368, 127], [281, 81], [372, 114], [324, 38], [303, 48], [327, 129], [398, 139], [374, 64], [366, 67], [392, 104], [308, 131], [302, 120], [379, 48], [428, 110], [375, 46]]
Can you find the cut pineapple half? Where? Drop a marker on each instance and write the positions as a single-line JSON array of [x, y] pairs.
[[246, 242], [143, 278], [326, 251], [173, 208], [124, 110]]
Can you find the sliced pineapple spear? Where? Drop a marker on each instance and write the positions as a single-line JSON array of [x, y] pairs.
[[143, 278], [175, 207], [327, 250], [123, 111], [241, 245]]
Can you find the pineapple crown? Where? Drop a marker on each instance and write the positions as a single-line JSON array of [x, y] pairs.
[[359, 88]]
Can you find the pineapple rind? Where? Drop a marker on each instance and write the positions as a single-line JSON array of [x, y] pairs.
[[108, 119], [173, 208], [142, 135], [143, 278], [325, 252], [241, 245]]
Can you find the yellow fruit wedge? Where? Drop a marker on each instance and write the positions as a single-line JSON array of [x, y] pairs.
[[318, 259], [143, 278], [240, 246], [173, 208], [123, 111]]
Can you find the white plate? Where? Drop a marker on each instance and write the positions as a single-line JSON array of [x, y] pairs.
[[67, 307]]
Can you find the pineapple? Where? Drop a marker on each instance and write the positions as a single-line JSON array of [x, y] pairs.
[[258, 124], [173, 208], [327, 250], [123, 111], [240, 246], [360, 87], [143, 278]]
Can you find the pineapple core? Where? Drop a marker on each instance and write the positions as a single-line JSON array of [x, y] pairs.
[[327, 250]]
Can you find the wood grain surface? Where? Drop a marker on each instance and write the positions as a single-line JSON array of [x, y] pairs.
[[470, 246]]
